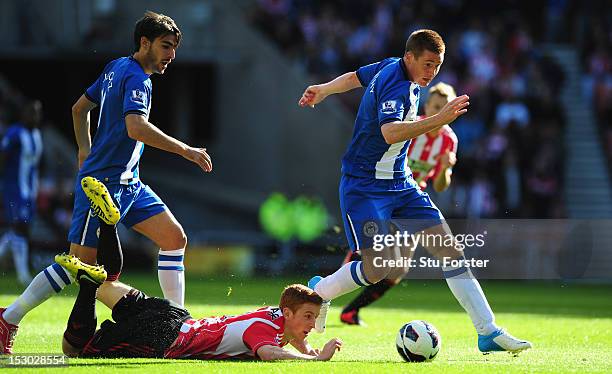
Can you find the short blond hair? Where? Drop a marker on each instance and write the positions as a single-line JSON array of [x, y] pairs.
[[444, 90], [296, 295]]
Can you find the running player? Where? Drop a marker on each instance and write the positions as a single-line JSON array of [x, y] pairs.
[[377, 188], [430, 156], [152, 327], [21, 148], [123, 92]]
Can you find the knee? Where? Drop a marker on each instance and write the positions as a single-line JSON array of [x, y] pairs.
[[375, 274], [85, 254], [69, 350], [177, 240]]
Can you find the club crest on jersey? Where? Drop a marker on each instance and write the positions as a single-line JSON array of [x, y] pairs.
[[275, 313], [370, 229], [139, 97], [278, 339], [389, 107]]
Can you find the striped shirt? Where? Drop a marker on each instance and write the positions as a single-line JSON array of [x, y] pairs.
[[424, 153]]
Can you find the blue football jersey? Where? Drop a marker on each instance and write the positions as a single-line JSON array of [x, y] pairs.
[[23, 149], [389, 96], [122, 88]]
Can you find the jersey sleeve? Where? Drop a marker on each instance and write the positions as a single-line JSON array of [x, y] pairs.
[[391, 103], [366, 73], [137, 96], [94, 91], [258, 335]]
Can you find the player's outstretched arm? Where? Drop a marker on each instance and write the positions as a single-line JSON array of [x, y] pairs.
[[317, 93], [80, 121], [139, 128], [399, 131], [274, 353]]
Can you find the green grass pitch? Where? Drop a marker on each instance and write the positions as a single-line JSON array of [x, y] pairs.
[[569, 324]]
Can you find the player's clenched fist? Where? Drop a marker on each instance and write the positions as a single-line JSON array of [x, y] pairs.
[[329, 349], [312, 95], [454, 109], [200, 157], [448, 160]]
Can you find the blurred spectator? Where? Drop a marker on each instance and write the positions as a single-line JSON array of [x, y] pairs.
[[596, 51], [54, 200], [511, 111], [21, 149]]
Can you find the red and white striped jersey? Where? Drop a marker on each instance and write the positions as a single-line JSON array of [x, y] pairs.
[[423, 153], [229, 337]]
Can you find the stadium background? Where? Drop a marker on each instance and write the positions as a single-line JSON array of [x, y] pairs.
[[536, 143]]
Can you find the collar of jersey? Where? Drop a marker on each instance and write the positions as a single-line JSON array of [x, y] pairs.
[[403, 67], [138, 63]]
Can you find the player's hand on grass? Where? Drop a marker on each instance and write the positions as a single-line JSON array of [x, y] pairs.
[[313, 95], [329, 349], [454, 109], [200, 157], [313, 352]]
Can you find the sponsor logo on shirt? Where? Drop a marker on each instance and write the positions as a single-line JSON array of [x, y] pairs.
[[275, 313]]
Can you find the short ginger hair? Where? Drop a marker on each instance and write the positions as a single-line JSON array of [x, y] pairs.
[[296, 295]]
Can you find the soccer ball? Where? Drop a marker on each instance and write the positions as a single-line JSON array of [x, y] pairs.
[[418, 341]]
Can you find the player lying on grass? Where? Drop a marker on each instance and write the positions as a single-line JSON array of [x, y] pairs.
[[152, 327]]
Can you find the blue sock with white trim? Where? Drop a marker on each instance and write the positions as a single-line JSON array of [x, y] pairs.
[[346, 279], [171, 273], [468, 293], [44, 285]]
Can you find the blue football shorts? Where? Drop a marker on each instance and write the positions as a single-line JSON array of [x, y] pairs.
[[372, 206], [136, 203]]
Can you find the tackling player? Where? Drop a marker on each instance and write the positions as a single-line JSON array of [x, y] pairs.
[[151, 327], [430, 156], [21, 148], [376, 187], [123, 92]]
